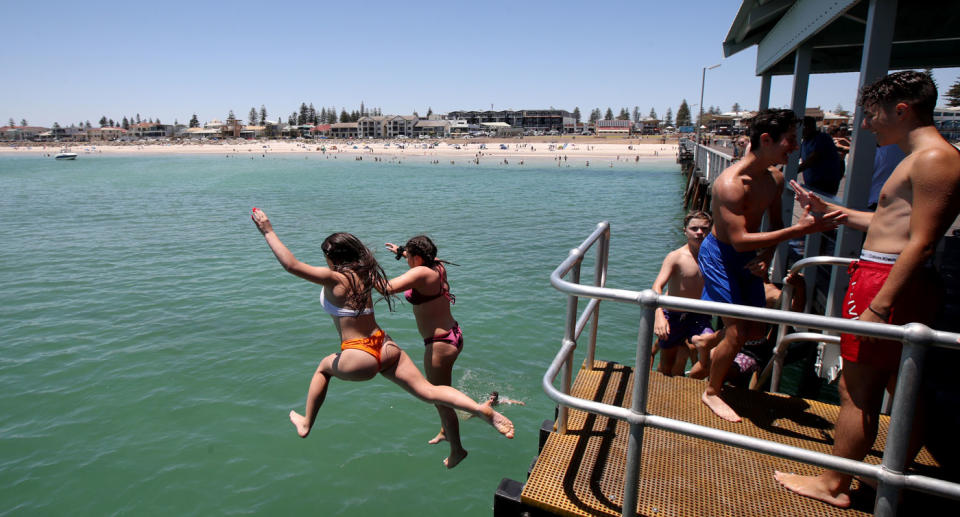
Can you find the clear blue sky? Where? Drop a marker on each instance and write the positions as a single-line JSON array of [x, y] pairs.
[[72, 62]]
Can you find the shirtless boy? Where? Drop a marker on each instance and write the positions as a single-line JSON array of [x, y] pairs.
[[681, 275], [890, 283], [729, 261]]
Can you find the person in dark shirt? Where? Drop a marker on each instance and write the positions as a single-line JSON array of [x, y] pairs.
[[820, 164]]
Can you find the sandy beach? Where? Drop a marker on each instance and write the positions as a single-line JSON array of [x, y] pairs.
[[579, 149]]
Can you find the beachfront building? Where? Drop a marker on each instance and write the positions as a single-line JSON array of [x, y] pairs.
[[461, 127], [574, 127], [150, 130], [200, 133], [252, 131], [647, 126], [947, 120], [345, 130], [545, 120], [397, 125], [533, 120], [372, 126], [431, 129], [614, 127], [105, 134], [320, 131], [21, 133]]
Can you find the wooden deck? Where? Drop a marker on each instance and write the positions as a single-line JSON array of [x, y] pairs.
[[581, 473]]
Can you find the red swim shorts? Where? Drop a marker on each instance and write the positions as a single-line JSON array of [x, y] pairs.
[[866, 279]]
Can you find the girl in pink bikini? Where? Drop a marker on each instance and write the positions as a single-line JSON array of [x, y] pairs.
[[426, 287]]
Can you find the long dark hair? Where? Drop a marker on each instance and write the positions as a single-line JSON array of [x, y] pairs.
[[349, 255], [423, 247]]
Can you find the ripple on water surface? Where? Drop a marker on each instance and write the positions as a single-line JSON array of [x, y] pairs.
[[152, 346]]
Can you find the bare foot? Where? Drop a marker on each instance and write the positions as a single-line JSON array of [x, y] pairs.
[[454, 458], [300, 422], [440, 437], [502, 424], [719, 407], [813, 487]]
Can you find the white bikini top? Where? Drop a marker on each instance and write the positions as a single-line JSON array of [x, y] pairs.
[[333, 310]]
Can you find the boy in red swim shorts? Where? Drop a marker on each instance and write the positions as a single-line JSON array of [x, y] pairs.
[[890, 283]]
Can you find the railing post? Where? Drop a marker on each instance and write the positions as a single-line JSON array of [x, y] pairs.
[[638, 405], [599, 280], [901, 420], [778, 353], [569, 336]]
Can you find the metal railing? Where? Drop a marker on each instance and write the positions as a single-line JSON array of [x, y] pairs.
[[775, 366], [711, 162], [889, 474]]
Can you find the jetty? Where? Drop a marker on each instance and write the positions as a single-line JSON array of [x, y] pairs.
[[627, 441]]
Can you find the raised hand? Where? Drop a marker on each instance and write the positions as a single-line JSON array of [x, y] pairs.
[[260, 219], [808, 199], [811, 223]]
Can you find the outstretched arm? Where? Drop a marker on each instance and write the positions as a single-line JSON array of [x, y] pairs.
[[732, 218], [414, 278], [320, 275]]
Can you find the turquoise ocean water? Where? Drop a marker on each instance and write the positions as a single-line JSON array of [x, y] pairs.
[[151, 346]]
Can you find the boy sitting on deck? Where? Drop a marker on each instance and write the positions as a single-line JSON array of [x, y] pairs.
[[728, 256], [681, 275]]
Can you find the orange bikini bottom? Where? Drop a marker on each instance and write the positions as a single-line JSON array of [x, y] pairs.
[[371, 345]]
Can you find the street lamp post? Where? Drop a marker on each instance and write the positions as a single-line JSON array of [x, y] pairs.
[[703, 81]]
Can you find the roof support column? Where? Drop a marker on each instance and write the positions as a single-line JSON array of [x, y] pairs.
[[878, 40], [798, 103], [764, 91]]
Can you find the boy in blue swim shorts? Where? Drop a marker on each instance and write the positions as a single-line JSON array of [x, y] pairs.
[[734, 257]]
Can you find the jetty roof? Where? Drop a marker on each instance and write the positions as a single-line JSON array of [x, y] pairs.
[[925, 35]]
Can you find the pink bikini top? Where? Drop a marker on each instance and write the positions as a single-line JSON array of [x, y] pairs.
[[416, 297]]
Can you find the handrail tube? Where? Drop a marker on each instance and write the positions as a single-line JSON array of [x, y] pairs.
[[600, 280], [878, 330], [588, 311], [570, 335], [575, 402], [776, 362], [580, 250], [779, 353], [898, 435], [930, 485], [820, 261], [916, 332], [638, 407]]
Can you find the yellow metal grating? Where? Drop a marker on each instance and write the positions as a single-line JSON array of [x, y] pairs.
[[581, 473]]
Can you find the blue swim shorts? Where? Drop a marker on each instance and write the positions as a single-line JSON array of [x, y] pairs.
[[683, 326], [725, 276]]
